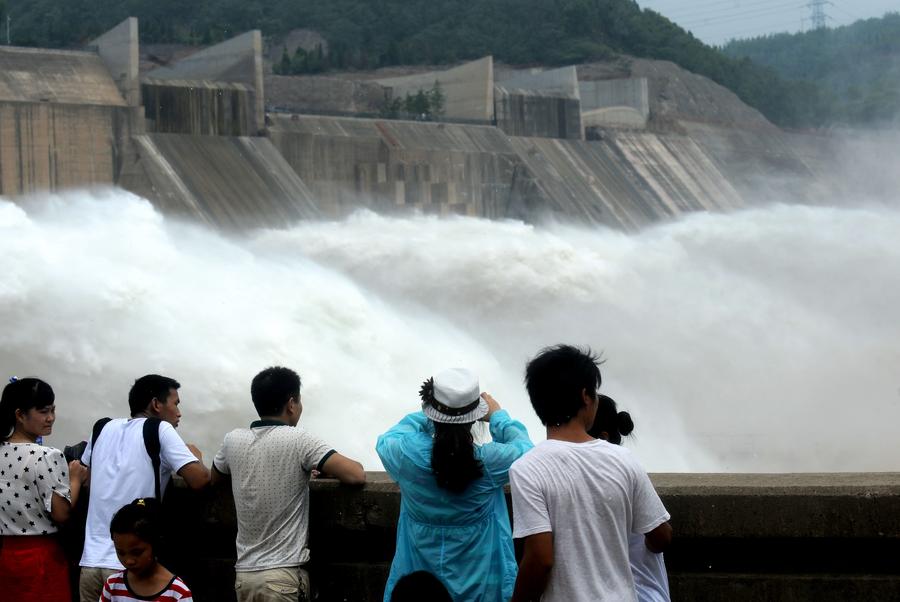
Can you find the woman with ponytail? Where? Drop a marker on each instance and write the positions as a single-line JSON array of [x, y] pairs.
[[648, 568], [453, 517], [37, 493]]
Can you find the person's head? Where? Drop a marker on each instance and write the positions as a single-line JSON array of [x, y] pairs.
[[27, 406], [562, 382], [276, 393], [452, 400], [610, 424], [135, 531], [420, 585], [157, 396]]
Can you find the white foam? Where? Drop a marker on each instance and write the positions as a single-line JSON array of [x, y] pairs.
[[765, 340]]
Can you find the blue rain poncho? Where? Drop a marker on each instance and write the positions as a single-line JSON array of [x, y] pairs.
[[464, 539]]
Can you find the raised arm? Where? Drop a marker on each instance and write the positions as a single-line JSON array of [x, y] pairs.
[[510, 441], [60, 507], [388, 445]]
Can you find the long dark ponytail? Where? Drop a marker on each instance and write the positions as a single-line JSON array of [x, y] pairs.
[[453, 459], [22, 394]]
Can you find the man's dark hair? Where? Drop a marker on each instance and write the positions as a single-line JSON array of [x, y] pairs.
[[272, 388], [146, 388], [556, 378]]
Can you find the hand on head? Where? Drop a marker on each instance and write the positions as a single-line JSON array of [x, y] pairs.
[[493, 406]]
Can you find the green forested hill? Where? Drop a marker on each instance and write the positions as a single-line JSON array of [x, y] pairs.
[[373, 33], [857, 67]]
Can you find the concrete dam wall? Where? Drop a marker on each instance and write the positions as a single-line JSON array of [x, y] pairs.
[[398, 165], [625, 181], [189, 136], [226, 182], [63, 122], [779, 538]]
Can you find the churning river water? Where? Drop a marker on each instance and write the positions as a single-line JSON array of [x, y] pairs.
[[761, 340]]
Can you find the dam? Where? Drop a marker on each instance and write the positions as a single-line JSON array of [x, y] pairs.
[[204, 218], [200, 139]]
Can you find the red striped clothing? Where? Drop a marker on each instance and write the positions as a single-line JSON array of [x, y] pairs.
[[116, 590]]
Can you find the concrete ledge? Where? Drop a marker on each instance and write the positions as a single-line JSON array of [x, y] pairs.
[[726, 587], [738, 537]]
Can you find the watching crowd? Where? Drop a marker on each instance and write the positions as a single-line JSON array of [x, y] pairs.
[[589, 524]]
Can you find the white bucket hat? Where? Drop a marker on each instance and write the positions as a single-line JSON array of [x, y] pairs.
[[455, 397]]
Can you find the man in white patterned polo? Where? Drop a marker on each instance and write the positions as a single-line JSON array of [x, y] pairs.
[[269, 465]]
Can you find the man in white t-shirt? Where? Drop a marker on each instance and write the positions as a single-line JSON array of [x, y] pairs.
[[269, 465], [121, 470], [576, 499]]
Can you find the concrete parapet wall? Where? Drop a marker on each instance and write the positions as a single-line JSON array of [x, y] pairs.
[[617, 117], [737, 537], [323, 95], [468, 89], [632, 93], [559, 82], [227, 182], [119, 50], [238, 60], [199, 107], [47, 146]]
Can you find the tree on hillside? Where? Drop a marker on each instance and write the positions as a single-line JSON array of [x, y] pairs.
[[855, 69], [363, 34], [3, 24], [283, 67], [424, 105]]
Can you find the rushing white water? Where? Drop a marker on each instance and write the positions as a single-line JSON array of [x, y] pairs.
[[765, 340]]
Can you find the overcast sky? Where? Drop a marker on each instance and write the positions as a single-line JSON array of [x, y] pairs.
[[717, 21]]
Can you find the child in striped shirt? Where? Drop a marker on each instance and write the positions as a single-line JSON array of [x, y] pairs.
[[135, 533]]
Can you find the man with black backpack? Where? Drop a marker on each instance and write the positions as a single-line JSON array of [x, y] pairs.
[[132, 458]]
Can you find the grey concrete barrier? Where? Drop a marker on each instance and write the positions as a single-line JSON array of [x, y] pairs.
[[737, 537]]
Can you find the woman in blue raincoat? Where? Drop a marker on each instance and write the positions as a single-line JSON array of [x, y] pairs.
[[453, 517]]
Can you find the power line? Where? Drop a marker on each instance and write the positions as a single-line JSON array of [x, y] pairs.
[[695, 11], [758, 31], [851, 15], [759, 12]]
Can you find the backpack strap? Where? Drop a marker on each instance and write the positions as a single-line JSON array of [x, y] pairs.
[[95, 432], [151, 443]]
